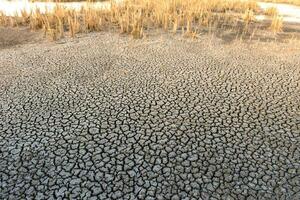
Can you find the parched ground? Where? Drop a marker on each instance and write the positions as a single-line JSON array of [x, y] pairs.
[[107, 117]]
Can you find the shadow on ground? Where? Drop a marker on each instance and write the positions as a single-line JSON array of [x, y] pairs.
[[259, 31], [11, 37]]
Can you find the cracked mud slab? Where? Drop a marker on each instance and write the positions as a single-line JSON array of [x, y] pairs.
[[105, 117]]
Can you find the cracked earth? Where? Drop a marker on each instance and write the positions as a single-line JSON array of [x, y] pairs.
[[107, 117]]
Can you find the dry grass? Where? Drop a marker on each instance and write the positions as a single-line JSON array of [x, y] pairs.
[[64, 0], [276, 24], [248, 16], [73, 22], [135, 16], [272, 11], [277, 20]]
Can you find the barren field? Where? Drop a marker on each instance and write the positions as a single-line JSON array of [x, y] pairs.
[[103, 116]]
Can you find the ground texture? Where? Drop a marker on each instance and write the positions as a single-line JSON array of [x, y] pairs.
[[105, 117]]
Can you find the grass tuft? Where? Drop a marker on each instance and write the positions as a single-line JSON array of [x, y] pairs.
[[276, 24], [272, 11]]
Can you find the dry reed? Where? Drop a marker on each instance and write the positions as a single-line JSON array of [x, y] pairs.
[[135, 16], [272, 11], [276, 24]]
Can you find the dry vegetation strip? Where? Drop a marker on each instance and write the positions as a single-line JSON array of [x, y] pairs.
[[65, 0], [136, 16]]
